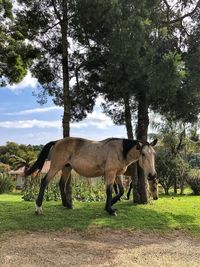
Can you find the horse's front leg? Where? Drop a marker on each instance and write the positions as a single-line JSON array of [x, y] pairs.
[[118, 181], [129, 190], [109, 180]]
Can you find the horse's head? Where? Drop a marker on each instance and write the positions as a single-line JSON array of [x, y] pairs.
[[153, 187], [147, 159]]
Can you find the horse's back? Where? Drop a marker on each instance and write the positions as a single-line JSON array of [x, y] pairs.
[[89, 158]]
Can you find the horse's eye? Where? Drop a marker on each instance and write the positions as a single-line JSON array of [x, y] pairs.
[[143, 154]]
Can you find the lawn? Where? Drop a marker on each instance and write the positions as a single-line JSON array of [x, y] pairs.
[[166, 214]]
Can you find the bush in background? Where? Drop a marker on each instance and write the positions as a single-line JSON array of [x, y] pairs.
[[193, 180], [172, 171], [6, 183], [81, 190], [87, 192]]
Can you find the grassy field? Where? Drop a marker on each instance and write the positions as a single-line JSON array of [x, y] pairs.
[[166, 214]]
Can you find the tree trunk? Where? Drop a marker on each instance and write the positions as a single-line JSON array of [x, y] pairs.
[[128, 118], [143, 118], [141, 197], [175, 185], [65, 68], [66, 91]]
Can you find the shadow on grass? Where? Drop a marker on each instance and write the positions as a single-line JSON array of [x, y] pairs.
[[19, 215]]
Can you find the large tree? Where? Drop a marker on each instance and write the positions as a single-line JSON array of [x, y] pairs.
[[15, 54], [52, 28], [148, 63]]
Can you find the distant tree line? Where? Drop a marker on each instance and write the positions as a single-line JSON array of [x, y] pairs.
[[17, 155]]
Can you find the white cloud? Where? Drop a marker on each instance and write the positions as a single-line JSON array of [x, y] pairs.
[[99, 120], [96, 119], [24, 124], [33, 111], [27, 82]]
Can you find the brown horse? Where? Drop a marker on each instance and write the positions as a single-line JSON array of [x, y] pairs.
[[108, 158]]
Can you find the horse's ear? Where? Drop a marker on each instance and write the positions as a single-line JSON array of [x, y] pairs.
[[139, 145], [154, 142]]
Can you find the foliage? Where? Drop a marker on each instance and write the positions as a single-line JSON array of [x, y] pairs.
[[17, 155], [4, 167], [15, 54], [170, 169], [52, 27], [193, 179], [32, 185], [194, 160], [82, 190], [6, 183]]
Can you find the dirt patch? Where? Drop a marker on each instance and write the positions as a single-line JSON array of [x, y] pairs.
[[99, 248]]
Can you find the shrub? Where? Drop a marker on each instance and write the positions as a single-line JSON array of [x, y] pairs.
[[193, 181], [31, 190], [172, 170], [81, 190], [6, 183]]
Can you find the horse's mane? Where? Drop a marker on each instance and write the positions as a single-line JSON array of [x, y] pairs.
[[127, 145]]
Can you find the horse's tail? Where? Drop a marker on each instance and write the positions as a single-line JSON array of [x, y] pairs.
[[41, 159]]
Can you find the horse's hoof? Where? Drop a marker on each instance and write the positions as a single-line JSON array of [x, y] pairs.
[[38, 210], [37, 213], [113, 212]]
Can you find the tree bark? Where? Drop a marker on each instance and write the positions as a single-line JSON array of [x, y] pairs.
[[65, 69], [143, 118], [66, 91], [141, 195], [128, 118]]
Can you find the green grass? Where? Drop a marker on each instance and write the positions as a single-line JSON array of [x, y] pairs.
[[166, 214]]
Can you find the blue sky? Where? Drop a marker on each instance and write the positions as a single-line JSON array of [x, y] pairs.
[[24, 121]]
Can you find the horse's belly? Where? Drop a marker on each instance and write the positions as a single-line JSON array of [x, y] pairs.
[[88, 170]]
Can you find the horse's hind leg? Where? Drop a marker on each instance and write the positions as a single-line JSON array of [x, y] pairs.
[[39, 200], [121, 190], [44, 182], [65, 187]]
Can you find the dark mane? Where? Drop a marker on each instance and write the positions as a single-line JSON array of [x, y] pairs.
[[110, 139], [127, 145]]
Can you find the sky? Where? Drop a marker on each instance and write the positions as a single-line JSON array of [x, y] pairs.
[[24, 121]]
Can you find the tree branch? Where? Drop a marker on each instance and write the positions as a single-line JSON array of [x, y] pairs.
[[180, 19], [56, 11], [50, 27]]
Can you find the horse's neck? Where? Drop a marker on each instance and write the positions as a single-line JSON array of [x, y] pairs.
[[130, 161], [131, 158]]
